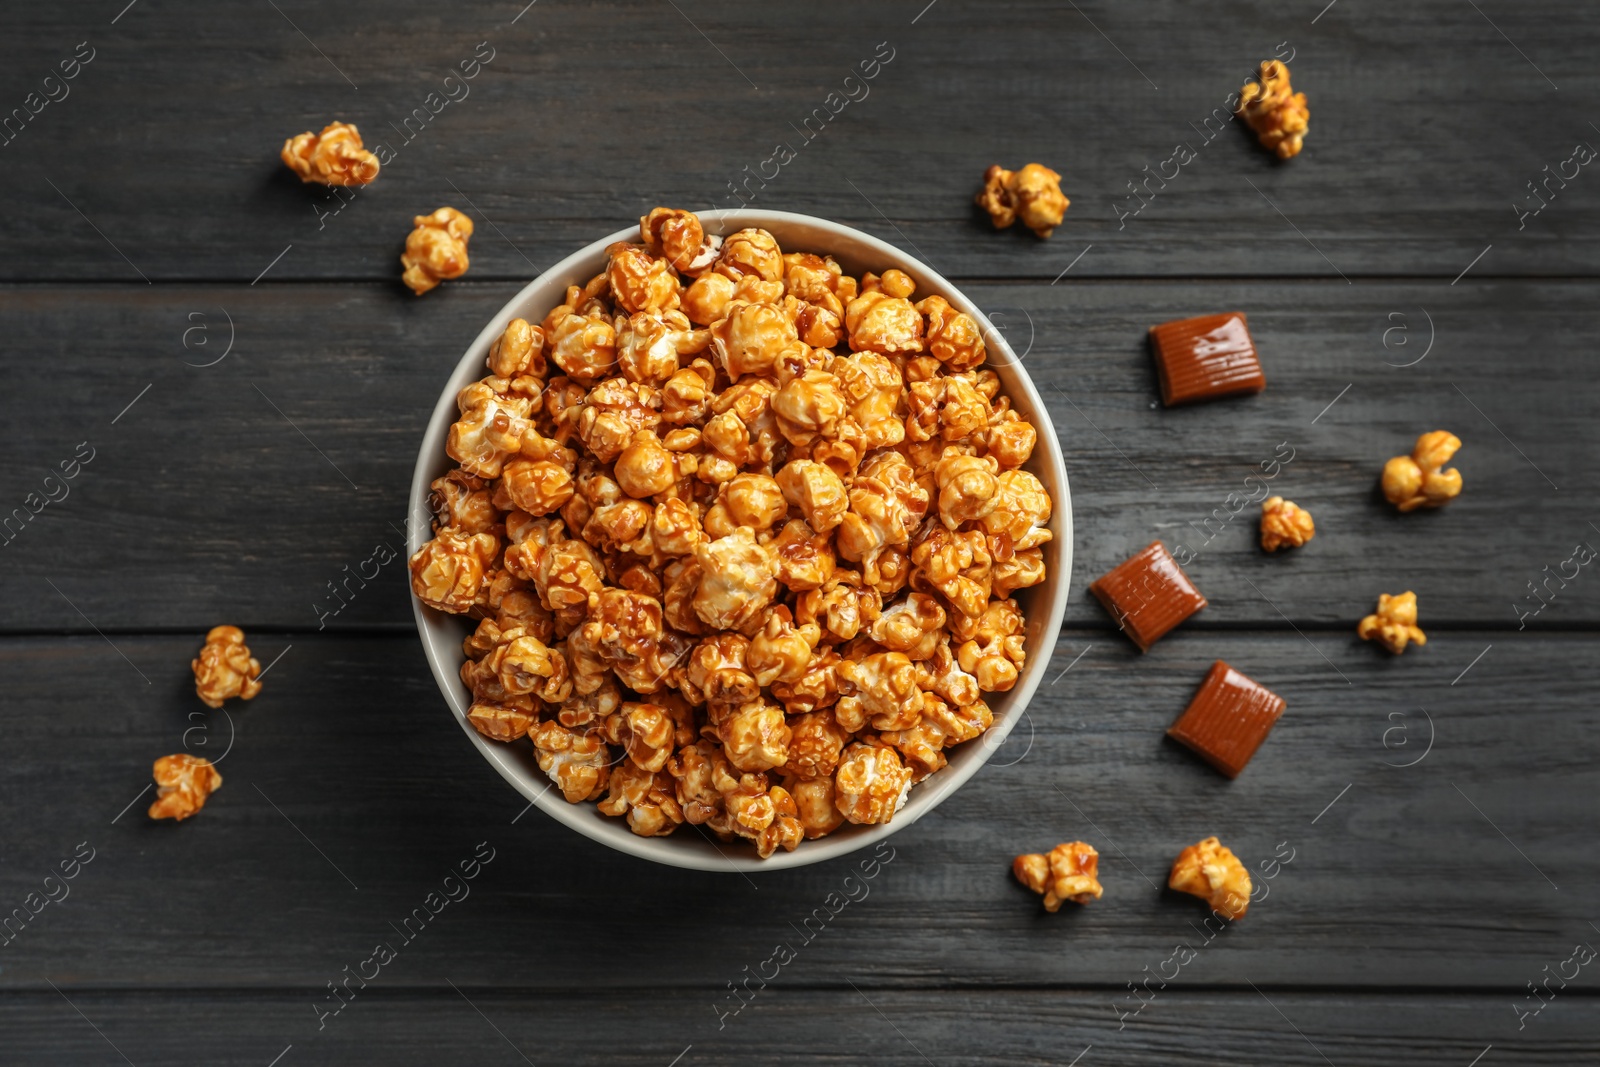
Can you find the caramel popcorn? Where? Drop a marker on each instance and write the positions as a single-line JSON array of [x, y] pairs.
[[949, 408], [739, 532], [584, 346], [678, 238], [955, 565], [912, 626], [1284, 524], [871, 784], [182, 784], [1069, 872], [646, 733], [639, 281], [806, 560], [502, 722], [817, 688], [1032, 194], [717, 674], [763, 814], [750, 339], [1009, 438], [756, 737], [841, 605], [1016, 523], [525, 666], [646, 798], [333, 157], [953, 336], [878, 688], [1275, 111], [817, 491], [751, 252], [490, 429], [224, 668], [886, 507], [1419, 480], [874, 388], [752, 500], [578, 763], [940, 726], [968, 488], [702, 776], [816, 740], [436, 250], [992, 645], [518, 352], [1023, 569], [786, 829], [649, 344], [781, 651], [464, 501], [538, 487], [814, 803], [447, 573], [882, 323], [1394, 624], [707, 298], [739, 579], [1211, 871]]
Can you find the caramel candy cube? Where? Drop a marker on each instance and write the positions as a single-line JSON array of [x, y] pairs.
[[1148, 595], [1228, 719], [1205, 358]]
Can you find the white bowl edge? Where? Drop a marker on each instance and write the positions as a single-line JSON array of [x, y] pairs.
[[442, 634]]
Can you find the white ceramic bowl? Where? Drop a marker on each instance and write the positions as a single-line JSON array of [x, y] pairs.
[[1043, 604]]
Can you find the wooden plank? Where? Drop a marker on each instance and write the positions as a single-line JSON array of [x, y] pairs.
[[240, 490], [1411, 168], [659, 1026], [350, 795]]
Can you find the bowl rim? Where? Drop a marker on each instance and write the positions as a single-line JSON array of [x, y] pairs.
[[443, 651]]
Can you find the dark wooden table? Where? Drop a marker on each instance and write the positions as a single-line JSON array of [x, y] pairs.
[[1439, 808]]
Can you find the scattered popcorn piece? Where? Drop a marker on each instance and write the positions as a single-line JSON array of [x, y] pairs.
[[1284, 524], [436, 250], [1032, 194], [1275, 111], [1395, 624], [1418, 480], [182, 784], [1069, 872], [224, 668], [333, 157], [1213, 873]]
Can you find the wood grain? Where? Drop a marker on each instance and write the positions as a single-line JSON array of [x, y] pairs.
[[243, 489], [1427, 125], [1438, 806], [350, 794], [655, 1027]]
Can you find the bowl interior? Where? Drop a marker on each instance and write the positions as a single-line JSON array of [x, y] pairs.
[[1043, 604]]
